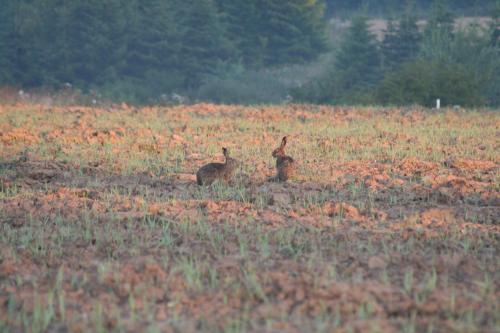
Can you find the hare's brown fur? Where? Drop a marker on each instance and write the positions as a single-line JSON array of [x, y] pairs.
[[285, 165], [211, 172]]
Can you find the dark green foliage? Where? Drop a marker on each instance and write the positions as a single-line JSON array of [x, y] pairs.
[[389, 46], [292, 31], [275, 32], [495, 26], [355, 70], [441, 19], [241, 22], [422, 82], [203, 44], [87, 40], [140, 50], [438, 34], [402, 40], [151, 49], [473, 49], [358, 63], [7, 50], [458, 67], [409, 36], [27, 43]]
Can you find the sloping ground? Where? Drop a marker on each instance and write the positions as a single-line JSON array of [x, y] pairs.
[[391, 224]]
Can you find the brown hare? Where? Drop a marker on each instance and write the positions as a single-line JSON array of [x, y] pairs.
[[285, 165], [210, 172]]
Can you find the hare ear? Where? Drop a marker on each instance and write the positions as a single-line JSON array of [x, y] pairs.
[[283, 141], [225, 151]]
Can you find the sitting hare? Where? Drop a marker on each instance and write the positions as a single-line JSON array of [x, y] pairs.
[[208, 173], [285, 165]]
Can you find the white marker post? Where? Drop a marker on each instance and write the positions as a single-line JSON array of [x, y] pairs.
[[438, 104]]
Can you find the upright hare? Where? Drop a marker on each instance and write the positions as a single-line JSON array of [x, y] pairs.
[[285, 165]]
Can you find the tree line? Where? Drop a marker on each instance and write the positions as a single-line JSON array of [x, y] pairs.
[[229, 50], [136, 49], [412, 65]]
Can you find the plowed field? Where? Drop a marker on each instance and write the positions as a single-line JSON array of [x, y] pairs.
[[391, 224]]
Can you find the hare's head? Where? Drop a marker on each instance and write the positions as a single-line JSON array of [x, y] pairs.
[[280, 151], [225, 151], [231, 162]]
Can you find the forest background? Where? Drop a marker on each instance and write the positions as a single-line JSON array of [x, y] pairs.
[[255, 51]]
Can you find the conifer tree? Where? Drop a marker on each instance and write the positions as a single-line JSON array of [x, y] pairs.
[[204, 44], [275, 32], [153, 49], [29, 54], [358, 63], [240, 21], [294, 30], [402, 40], [409, 34], [495, 26], [389, 45], [84, 40], [438, 34], [7, 46], [441, 19]]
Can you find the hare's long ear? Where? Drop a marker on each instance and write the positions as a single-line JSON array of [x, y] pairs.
[[225, 152], [283, 142]]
